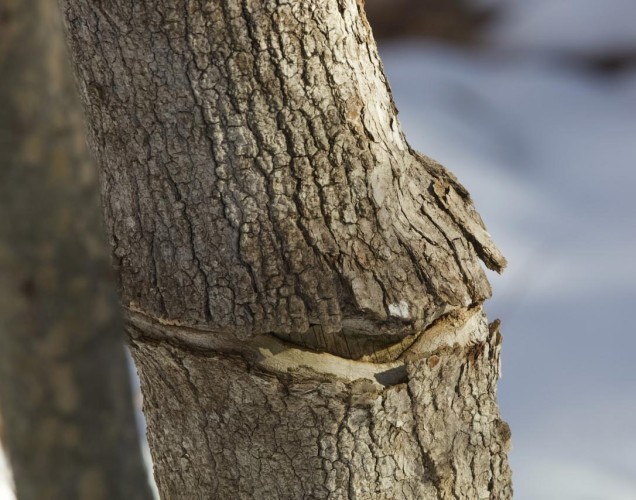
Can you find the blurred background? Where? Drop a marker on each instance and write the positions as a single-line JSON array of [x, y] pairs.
[[532, 103]]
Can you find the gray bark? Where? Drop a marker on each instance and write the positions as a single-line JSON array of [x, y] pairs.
[[65, 401], [303, 289]]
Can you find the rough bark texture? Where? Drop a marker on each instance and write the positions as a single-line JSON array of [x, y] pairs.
[[265, 214], [65, 399]]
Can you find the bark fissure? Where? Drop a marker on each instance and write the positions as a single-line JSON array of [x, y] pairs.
[[426, 458], [201, 418]]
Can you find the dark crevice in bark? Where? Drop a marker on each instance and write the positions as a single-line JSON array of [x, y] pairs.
[[429, 464], [392, 376]]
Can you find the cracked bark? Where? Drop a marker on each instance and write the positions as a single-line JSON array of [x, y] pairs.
[[67, 415], [303, 288]]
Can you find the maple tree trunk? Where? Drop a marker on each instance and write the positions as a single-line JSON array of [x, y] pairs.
[[68, 423], [303, 290]]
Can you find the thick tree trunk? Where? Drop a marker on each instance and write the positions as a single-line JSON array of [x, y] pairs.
[[65, 398], [303, 290]]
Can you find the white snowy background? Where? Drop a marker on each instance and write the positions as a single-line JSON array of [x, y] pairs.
[[547, 148]]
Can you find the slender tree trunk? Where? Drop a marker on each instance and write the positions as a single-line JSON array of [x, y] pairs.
[[303, 289], [65, 398]]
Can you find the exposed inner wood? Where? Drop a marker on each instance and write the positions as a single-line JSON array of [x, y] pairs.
[[231, 425], [455, 328]]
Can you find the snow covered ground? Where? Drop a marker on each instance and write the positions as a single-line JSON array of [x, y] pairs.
[[549, 155]]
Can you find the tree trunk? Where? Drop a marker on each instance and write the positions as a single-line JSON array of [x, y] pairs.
[[303, 289], [65, 399]]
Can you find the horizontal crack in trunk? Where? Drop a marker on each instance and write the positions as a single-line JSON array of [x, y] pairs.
[[269, 352]]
